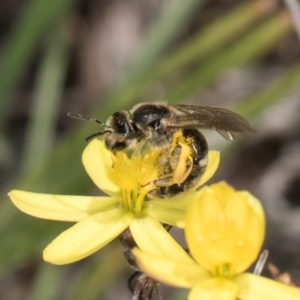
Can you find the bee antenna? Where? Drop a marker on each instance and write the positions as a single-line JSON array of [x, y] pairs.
[[82, 117]]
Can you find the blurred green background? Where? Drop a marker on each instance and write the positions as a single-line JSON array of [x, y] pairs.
[[98, 56]]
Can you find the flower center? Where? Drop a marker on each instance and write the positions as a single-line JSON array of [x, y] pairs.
[[223, 271], [135, 176]]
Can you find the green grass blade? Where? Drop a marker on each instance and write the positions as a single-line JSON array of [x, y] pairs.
[[213, 37], [36, 19], [46, 102], [47, 280], [252, 46], [254, 104]]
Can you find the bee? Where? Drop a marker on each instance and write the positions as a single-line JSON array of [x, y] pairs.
[[174, 129]]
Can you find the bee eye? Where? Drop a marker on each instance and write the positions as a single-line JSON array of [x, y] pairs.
[[120, 124], [122, 127], [154, 124]]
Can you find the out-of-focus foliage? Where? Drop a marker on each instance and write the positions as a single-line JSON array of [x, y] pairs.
[[96, 57]]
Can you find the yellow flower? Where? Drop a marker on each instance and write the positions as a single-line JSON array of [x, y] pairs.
[[101, 219], [224, 232]]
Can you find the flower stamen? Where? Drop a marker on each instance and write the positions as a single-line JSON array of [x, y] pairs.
[[136, 176]]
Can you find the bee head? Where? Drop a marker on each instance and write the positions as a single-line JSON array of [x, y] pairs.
[[121, 132], [120, 124]]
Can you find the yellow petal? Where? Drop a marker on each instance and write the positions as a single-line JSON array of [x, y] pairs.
[[59, 207], [97, 160], [151, 237], [215, 289], [254, 287], [87, 236], [212, 166], [224, 229], [169, 211], [168, 271]]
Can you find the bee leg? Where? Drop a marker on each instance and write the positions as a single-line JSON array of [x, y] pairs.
[[164, 181], [140, 285], [181, 162], [143, 286], [180, 166], [127, 240]]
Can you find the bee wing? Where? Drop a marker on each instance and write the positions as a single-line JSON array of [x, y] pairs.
[[227, 123]]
